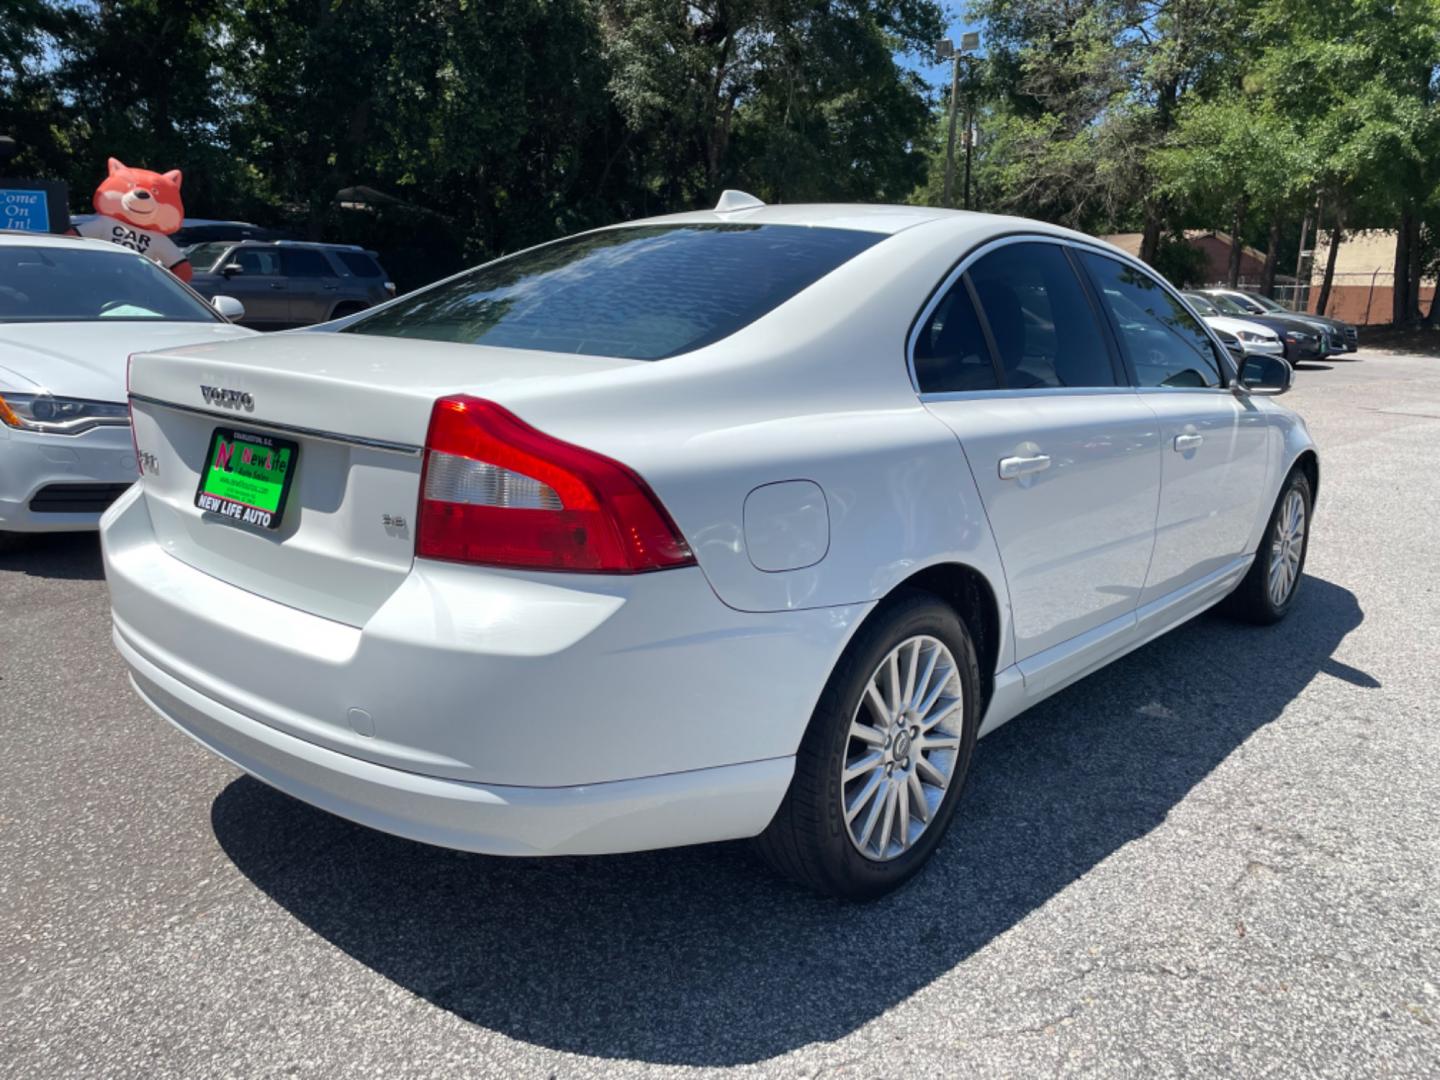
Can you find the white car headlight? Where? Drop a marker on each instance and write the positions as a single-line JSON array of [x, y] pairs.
[[59, 415], [1246, 335]]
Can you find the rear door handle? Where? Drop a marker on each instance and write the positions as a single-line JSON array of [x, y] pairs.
[[1013, 467], [1187, 442], [276, 285]]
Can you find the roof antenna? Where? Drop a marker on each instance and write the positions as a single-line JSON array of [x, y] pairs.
[[731, 200]]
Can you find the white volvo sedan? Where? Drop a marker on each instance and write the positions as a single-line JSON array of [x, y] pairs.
[[738, 523], [71, 312]]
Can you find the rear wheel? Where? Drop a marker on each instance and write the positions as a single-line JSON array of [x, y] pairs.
[[882, 763], [1268, 590]]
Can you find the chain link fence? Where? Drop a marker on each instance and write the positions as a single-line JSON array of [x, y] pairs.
[[1364, 298]]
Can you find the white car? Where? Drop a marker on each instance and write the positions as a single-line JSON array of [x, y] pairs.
[[71, 312], [732, 523], [1253, 337]]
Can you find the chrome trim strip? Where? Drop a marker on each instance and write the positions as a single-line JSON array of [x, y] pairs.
[[243, 421]]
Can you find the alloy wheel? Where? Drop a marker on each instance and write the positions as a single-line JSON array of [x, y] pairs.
[[1286, 547], [902, 748]]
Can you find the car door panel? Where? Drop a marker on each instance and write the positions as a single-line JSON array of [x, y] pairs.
[[1216, 461], [259, 286], [313, 284], [1075, 534], [1065, 455], [1215, 448]]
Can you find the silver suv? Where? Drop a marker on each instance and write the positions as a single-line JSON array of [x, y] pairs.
[[290, 282]]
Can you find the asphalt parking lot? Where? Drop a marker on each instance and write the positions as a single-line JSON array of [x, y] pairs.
[[1219, 856]]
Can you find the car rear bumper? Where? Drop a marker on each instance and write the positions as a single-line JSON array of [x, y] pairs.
[[721, 803], [482, 710], [62, 483]]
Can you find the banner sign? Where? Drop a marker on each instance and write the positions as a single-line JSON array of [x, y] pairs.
[[34, 206]]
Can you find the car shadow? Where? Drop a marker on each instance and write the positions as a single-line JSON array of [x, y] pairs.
[[1311, 365], [699, 956], [63, 556]]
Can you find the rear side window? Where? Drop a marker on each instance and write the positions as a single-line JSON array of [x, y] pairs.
[[302, 262], [641, 293], [360, 265], [951, 354], [1040, 318], [1165, 344]]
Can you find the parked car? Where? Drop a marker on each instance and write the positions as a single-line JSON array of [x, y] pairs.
[[1251, 336], [71, 313], [1303, 340], [1343, 336], [289, 282], [744, 522]]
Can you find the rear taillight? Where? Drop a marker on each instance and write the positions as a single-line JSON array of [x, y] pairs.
[[496, 491]]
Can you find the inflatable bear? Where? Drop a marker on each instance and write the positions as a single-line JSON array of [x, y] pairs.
[[139, 209]]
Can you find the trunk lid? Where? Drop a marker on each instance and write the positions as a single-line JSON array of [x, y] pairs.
[[358, 409]]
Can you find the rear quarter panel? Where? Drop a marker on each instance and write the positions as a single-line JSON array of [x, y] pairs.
[[817, 390]]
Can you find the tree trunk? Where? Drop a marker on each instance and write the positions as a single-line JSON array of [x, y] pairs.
[[1328, 280], [1272, 259], [1237, 222], [1412, 271], [1150, 238], [1400, 289]]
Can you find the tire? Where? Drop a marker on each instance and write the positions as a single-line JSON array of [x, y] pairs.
[[809, 840], [1253, 600]]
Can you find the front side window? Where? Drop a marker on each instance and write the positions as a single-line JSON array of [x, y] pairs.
[[1165, 344], [950, 353], [64, 284], [640, 293], [204, 256], [1041, 321], [257, 260]]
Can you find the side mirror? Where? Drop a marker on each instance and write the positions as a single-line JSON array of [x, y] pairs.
[[229, 308], [1265, 375], [230, 269]]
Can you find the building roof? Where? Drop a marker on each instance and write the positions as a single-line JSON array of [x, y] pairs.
[[1129, 242]]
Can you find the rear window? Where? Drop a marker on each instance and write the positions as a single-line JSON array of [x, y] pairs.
[[640, 293], [360, 265]]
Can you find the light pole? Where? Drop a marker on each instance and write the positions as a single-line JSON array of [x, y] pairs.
[[945, 50]]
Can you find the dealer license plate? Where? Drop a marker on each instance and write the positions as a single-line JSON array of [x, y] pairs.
[[247, 477]]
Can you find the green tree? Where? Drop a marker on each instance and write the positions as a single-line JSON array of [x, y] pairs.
[[1359, 78]]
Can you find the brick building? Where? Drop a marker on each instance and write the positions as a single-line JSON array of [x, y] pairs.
[[1363, 289], [1215, 245]]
